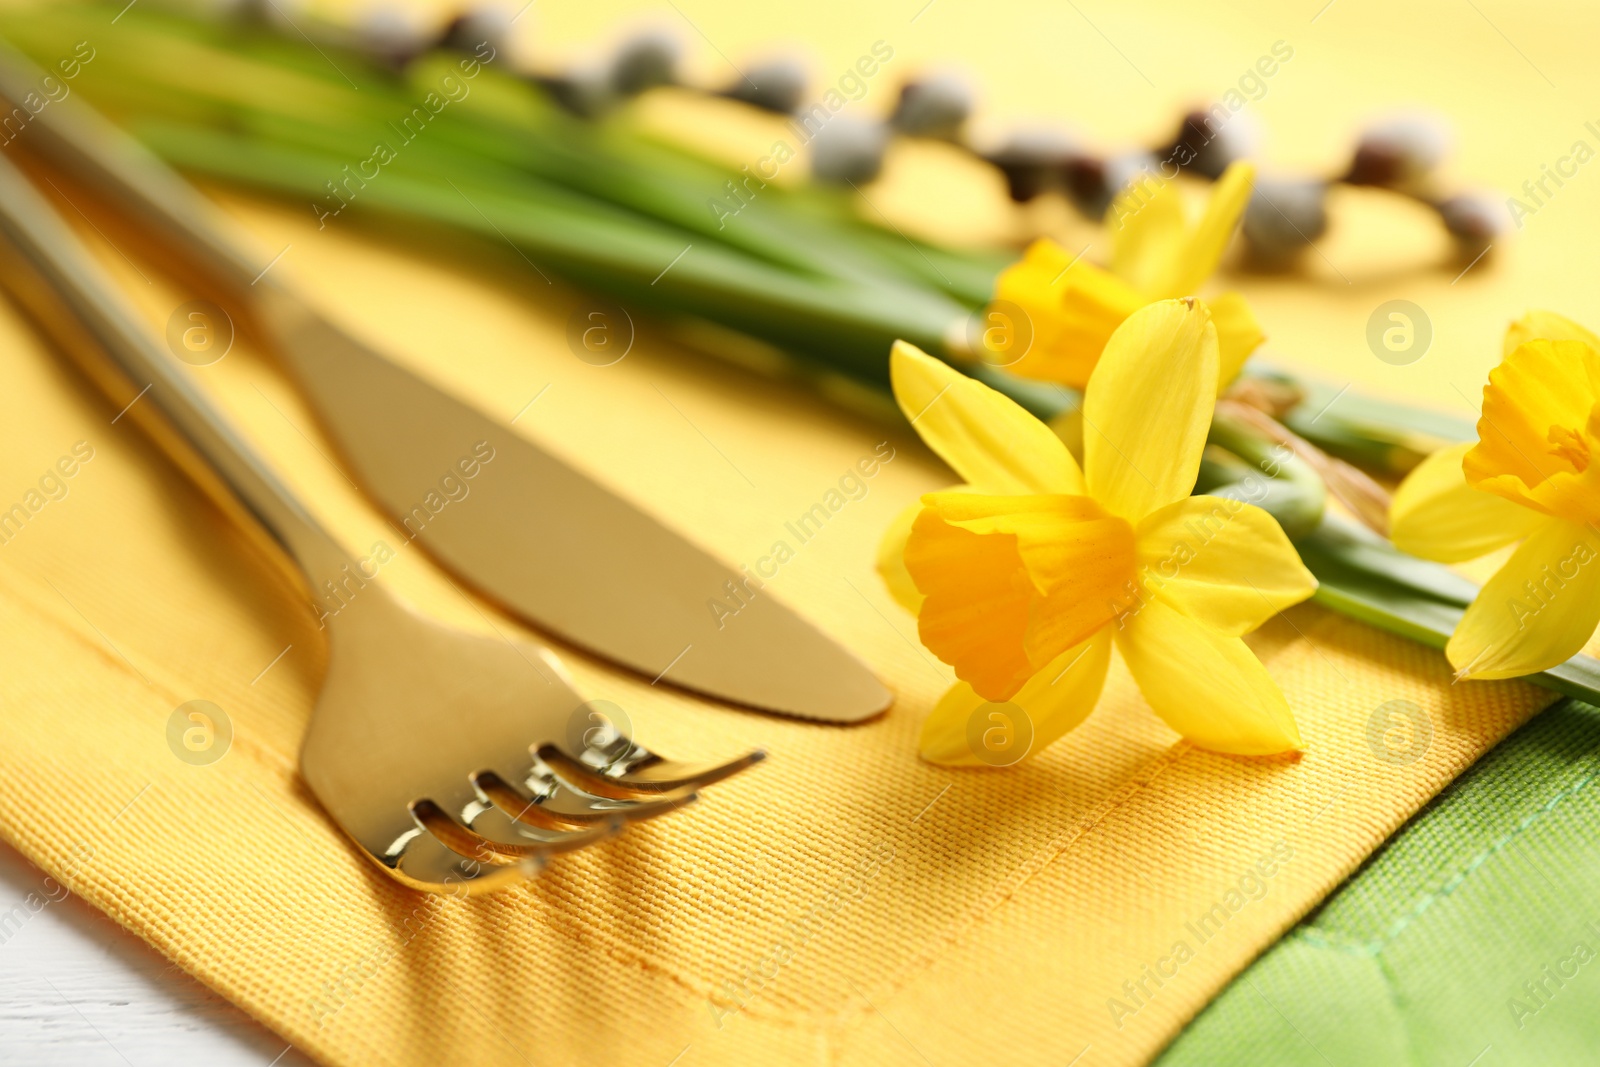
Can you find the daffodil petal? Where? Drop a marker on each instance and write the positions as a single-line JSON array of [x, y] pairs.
[[1041, 263], [1207, 686], [1238, 335], [1055, 700], [1147, 232], [1437, 515], [987, 438], [1147, 408], [1548, 325], [1538, 610], [1223, 562], [1036, 284], [891, 561], [1012, 581], [1201, 253], [1541, 387], [1072, 319]]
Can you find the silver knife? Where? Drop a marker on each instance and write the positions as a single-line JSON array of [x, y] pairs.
[[540, 538]]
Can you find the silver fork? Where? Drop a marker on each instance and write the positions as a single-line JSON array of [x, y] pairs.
[[458, 762]]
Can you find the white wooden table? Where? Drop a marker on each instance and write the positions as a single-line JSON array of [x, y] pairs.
[[76, 988]]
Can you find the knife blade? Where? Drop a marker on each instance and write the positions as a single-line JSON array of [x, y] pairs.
[[541, 538], [551, 544]]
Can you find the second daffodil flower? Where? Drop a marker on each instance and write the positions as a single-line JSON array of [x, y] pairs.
[[1024, 578], [1073, 307], [1532, 476]]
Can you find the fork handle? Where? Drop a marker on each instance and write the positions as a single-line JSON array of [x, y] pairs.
[[122, 174], [53, 276]]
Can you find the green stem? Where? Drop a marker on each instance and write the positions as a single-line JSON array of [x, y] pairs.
[[1373, 433], [1272, 477], [1414, 606]]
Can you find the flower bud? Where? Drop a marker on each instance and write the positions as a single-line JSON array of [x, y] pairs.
[[478, 26], [936, 106], [1033, 161], [585, 90], [1398, 151], [1474, 222], [390, 36], [773, 85], [645, 61], [1283, 217], [1122, 171], [1207, 141], [1083, 179], [848, 150], [1092, 185]]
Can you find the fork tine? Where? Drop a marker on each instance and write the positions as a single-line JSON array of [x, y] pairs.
[[562, 807], [422, 861], [652, 776], [494, 838]]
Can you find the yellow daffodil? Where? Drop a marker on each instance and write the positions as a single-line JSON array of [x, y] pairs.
[[1023, 578], [1532, 476], [1074, 306]]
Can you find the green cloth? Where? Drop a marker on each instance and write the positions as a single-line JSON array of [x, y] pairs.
[[1471, 938]]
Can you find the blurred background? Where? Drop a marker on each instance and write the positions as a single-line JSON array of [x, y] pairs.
[[1485, 99], [1511, 83]]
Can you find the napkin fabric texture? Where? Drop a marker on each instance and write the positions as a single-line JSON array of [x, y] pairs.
[[1472, 937], [842, 903]]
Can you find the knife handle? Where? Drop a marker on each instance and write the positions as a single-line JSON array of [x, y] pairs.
[[126, 177], [54, 278]]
